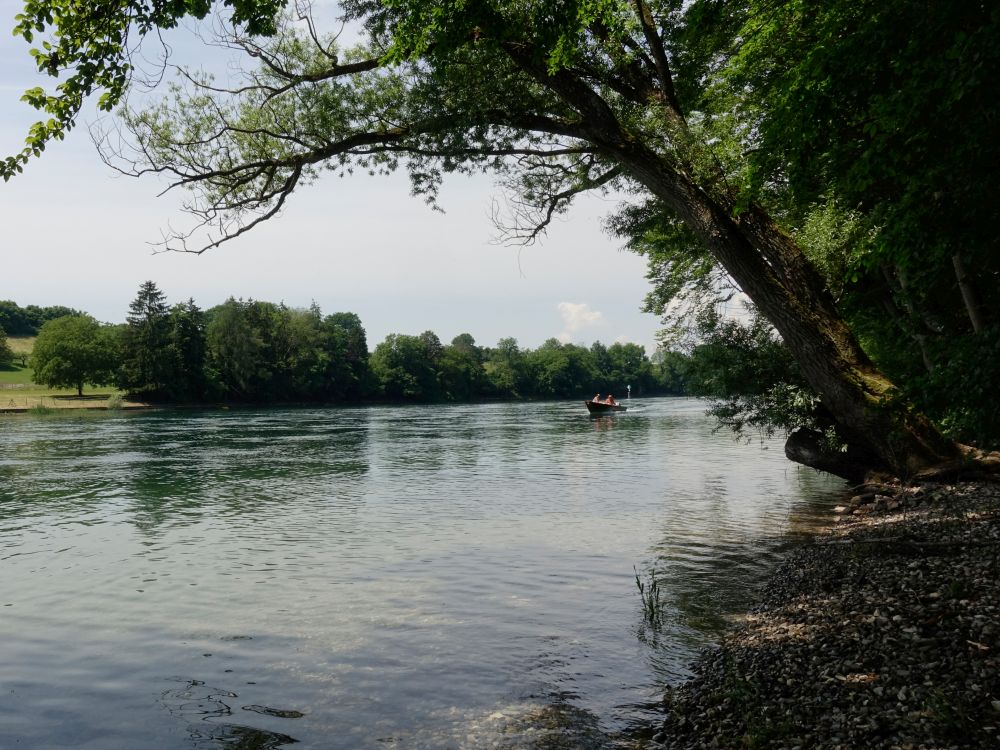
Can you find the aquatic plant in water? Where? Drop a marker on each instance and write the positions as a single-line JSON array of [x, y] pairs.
[[649, 593]]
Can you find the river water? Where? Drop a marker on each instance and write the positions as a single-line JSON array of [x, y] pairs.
[[379, 577]]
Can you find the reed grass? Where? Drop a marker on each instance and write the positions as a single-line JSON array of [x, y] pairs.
[[649, 593]]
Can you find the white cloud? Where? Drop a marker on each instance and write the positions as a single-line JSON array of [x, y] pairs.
[[577, 316]]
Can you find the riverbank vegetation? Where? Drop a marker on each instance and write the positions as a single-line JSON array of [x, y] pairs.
[[251, 351], [828, 163]]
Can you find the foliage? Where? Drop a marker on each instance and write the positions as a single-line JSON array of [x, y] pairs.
[[255, 351], [889, 108], [25, 321], [670, 372], [863, 99], [147, 357], [960, 392], [559, 369], [90, 44], [239, 361], [751, 380], [461, 374], [6, 353], [676, 103], [686, 281], [406, 367], [738, 357], [628, 364], [868, 128], [72, 351], [507, 369], [186, 347], [259, 351], [346, 343]]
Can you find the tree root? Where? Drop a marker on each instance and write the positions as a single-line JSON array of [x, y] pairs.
[[972, 464]]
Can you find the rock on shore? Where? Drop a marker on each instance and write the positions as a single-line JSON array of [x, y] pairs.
[[883, 634]]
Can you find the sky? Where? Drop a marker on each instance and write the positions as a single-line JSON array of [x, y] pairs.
[[75, 233]]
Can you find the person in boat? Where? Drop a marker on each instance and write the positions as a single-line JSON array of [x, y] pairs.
[[596, 399], [610, 401]]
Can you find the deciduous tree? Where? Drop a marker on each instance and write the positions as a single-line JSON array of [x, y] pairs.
[[555, 98], [406, 367], [72, 351]]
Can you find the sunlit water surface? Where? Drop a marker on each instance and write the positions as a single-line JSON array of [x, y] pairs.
[[413, 577]]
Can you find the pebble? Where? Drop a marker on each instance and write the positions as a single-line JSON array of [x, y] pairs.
[[882, 634]]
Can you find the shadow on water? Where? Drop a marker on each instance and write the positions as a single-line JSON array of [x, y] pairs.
[[235, 737], [712, 561], [201, 706]]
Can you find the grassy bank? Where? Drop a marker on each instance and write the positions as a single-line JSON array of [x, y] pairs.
[[19, 393]]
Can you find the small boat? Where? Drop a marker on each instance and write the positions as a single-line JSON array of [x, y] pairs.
[[599, 407]]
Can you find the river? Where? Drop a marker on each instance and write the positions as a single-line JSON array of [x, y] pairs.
[[373, 577]]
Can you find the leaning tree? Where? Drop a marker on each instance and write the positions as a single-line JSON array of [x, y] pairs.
[[556, 98]]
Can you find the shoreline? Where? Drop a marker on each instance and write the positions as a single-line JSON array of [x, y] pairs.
[[68, 403], [883, 632]]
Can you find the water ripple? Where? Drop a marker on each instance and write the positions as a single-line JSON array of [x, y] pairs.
[[418, 577]]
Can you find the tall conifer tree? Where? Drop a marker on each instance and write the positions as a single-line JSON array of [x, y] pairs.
[[148, 359]]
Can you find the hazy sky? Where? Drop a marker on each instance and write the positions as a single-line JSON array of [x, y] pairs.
[[73, 233]]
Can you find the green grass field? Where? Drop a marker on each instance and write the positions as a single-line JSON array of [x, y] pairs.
[[15, 375], [23, 399], [19, 392], [21, 344]]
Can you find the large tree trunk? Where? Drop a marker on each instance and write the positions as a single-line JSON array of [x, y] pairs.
[[773, 271]]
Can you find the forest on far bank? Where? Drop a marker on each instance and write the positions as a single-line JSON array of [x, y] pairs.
[[829, 163], [254, 351]]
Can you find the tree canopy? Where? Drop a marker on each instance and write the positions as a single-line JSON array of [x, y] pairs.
[[6, 353], [253, 351], [25, 321], [72, 351], [719, 118]]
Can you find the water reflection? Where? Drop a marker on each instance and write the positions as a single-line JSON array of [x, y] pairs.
[[232, 465], [199, 706], [420, 577], [712, 558], [235, 737]]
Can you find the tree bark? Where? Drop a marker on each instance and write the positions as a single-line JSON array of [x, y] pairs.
[[893, 311], [773, 271], [806, 447], [770, 268], [969, 296]]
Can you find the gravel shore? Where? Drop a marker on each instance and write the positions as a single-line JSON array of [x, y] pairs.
[[884, 633]]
